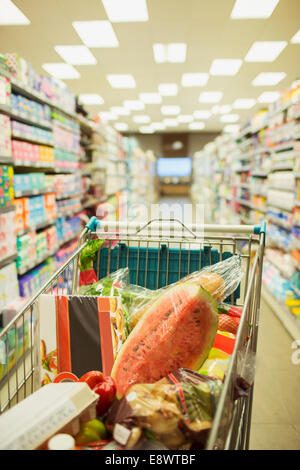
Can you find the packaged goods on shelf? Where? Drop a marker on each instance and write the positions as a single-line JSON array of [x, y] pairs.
[[30, 109], [66, 140], [34, 133], [33, 211], [5, 136], [67, 228], [11, 309], [30, 182], [8, 243], [31, 282], [6, 186], [9, 288], [64, 159], [67, 123], [66, 206], [25, 153], [67, 185], [65, 252], [5, 91]]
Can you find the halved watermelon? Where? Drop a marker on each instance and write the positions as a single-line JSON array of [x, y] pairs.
[[177, 330]]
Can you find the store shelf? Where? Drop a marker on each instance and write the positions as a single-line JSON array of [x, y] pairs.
[[282, 313], [30, 164], [4, 108], [259, 174], [33, 140], [33, 192], [31, 120], [6, 160], [9, 259], [282, 188], [40, 226], [4, 210]]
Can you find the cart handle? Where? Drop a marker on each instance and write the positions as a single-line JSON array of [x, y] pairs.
[[95, 224]]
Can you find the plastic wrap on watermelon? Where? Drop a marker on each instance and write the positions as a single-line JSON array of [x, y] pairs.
[[176, 411]]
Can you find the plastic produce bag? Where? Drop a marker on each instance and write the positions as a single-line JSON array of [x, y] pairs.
[[176, 411], [86, 262], [109, 286]]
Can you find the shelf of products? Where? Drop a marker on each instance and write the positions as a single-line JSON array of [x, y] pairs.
[[254, 176]]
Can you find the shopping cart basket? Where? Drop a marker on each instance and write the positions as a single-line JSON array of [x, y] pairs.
[[157, 253]]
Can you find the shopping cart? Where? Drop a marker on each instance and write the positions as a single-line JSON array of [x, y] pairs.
[[157, 254]]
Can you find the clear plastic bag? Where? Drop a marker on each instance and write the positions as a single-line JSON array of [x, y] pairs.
[[109, 286]]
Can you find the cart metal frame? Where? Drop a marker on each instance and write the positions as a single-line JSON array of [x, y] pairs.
[[232, 421]]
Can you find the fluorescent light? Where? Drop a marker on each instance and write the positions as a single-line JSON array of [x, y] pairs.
[[172, 53], [265, 51], [210, 96], [268, 78], [202, 114], [231, 128], [61, 70], [121, 126], [121, 80], [91, 98], [96, 33], [245, 9], [229, 118], [171, 110], [126, 11], [158, 126], [170, 122], [150, 98], [225, 66], [11, 15], [244, 103], [134, 105], [197, 126], [119, 111], [168, 89], [268, 97], [107, 116], [141, 119], [184, 118], [296, 38], [194, 79], [223, 109], [76, 55], [146, 130]]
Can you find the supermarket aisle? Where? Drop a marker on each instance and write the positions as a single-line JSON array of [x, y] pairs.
[[276, 407]]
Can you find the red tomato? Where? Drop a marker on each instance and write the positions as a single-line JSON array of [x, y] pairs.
[[107, 393], [92, 378]]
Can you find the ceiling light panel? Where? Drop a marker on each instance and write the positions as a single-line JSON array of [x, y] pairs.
[[243, 103], [172, 53], [158, 126], [268, 97], [146, 130], [229, 118], [296, 38], [141, 119], [169, 122], [11, 15], [196, 126], [76, 55], [221, 109], [194, 79], [210, 96], [120, 111], [121, 126], [96, 33], [91, 99], [268, 78], [231, 128], [171, 110], [225, 66], [107, 116], [185, 118], [168, 89], [134, 105], [265, 51], [245, 9], [61, 70], [202, 114], [121, 80], [126, 11], [150, 98]]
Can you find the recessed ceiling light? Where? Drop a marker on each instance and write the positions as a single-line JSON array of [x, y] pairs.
[[221, 109], [134, 105], [168, 89], [184, 118], [229, 118], [231, 128], [11, 15], [265, 51], [61, 70], [245, 9], [121, 126], [150, 98], [76, 55], [121, 80], [158, 126], [202, 114], [210, 96], [194, 79], [96, 33], [171, 110], [169, 122], [120, 111], [225, 66], [90, 99], [268, 78], [296, 38], [141, 119], [172, 53], [197, 126], [126, 11], [268, 97], [107, 116], [244, 103], [146, 130]]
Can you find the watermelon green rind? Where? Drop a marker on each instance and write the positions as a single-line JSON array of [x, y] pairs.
[[177, 330]]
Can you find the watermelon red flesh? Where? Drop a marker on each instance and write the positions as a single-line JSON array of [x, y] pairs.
[[178, 330]]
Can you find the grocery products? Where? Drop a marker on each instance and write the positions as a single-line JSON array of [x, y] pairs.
[[177, 330], [5, 133], [7, 235], [103, 386], [6, 186]]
